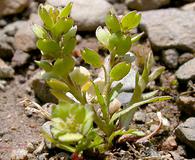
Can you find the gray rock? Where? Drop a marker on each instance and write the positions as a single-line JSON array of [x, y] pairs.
[[5, 70], [125, 97], [139, 117], [186, 71], [185, 57], [175, 29], [190, 6], [25, 39], [9, 7], [170, 58], [42, 90], [145, 4], [19, 154], [185, 132], [187, 104], [88, 15], [12, 28], [6, 50], [20, 58]]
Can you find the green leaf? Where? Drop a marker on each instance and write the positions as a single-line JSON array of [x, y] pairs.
[[39, 31], [48, 47], [46, 18], [136, 37], [157, 72], [112, 23], [130, 20], [70, 137], [65, 12], [69, 46], [62, 67], [149, 95], [44, 65], [70, 34], [57, 144], [91, 57], [119, 71], [119, 44], [58, 85], [61, 110], [103, 36], [61, 96], [62, 26], [136, 105]]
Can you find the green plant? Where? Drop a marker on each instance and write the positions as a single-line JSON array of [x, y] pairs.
[[83, 100]]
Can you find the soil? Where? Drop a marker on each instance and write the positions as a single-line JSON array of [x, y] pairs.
[[16, 129]]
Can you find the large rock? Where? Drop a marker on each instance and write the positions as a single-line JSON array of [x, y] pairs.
[[9, 7], [25, 39], [88, 14], [170, 28], [186, 132], [146, 4], [187, 104], [186, 71], [190, 6]]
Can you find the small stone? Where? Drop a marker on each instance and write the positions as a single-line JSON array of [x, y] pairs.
[[6, 50], [186, 71], [114, 106], [3, 23], [20, 58], [185, 57], [185, 132], [19, 154], [30, 147], [187, 104], [139, 117], [170, 58], [153, 127], [5, 70], [169, 144], [43, 156]]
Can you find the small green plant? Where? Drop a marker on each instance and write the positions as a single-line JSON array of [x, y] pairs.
[[89, 115]]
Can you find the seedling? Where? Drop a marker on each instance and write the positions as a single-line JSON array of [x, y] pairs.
[[89, 115]]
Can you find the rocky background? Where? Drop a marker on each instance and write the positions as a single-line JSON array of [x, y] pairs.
[[169, 27]]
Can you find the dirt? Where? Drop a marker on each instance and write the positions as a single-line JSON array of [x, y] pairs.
[[16, 129]]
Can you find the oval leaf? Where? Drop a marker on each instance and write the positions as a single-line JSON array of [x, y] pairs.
[[48, 47], [130, 20], [58, 85], [112, 23], [70, 137], [91, 57], [120, 71], [120, 44]]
